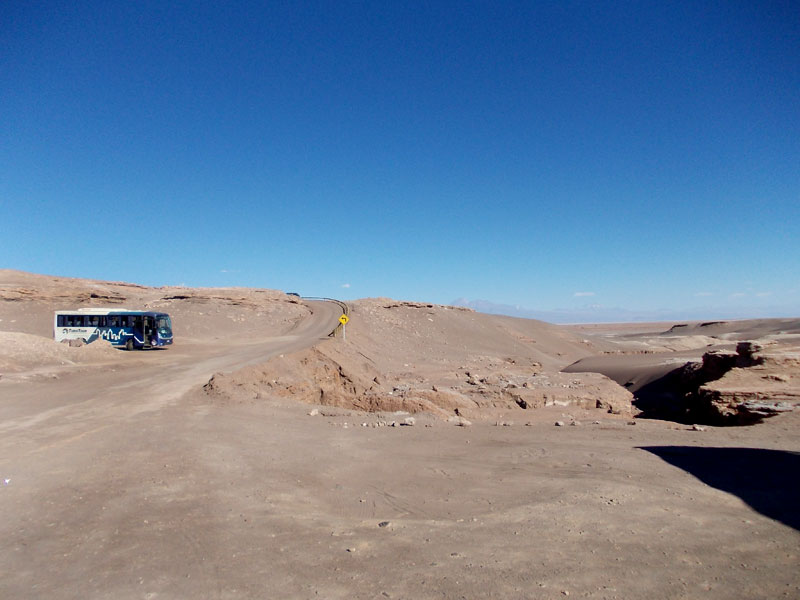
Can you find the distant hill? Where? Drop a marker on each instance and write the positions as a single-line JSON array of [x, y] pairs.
[[597, 313]]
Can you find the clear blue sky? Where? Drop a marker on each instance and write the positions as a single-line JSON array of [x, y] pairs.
[[641, 155]]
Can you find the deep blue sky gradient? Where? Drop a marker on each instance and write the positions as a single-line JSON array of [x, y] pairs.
[[636, 154]]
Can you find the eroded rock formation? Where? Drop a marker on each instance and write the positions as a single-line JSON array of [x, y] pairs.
[[758, 380]]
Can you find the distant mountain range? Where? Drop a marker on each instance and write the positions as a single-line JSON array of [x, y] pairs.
[[596, 313]]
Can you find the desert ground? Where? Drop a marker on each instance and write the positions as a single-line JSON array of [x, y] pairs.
[[425, 452]]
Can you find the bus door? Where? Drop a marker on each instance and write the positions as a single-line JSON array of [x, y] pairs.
[[149, 329], [138, 329]]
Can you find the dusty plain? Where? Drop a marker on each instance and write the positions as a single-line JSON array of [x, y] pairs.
[[419, 457]]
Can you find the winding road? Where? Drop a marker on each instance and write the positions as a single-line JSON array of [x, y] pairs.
[[143, 381]]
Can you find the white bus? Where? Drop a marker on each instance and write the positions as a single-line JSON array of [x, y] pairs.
[[122, 327]]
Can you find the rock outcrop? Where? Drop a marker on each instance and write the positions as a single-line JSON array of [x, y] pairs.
[[737, 388], [764, 381], [316, 377]]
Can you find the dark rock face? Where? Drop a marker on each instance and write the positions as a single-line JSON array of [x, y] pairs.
[[741, 387], [758, 381]]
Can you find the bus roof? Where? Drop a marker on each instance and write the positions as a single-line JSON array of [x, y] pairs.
[[109, 311]]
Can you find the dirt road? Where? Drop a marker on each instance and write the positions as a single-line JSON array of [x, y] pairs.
[[142, 381]]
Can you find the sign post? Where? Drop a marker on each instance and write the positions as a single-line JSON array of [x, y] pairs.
[[343, 320]]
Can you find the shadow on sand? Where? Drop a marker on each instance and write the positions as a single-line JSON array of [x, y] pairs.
[[767, 480]]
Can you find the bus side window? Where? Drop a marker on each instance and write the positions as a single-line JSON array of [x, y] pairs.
[[60, 321]]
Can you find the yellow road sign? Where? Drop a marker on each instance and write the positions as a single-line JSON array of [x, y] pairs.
[[344, 319]]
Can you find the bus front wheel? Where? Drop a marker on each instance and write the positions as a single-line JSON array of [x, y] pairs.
[[129, 344]]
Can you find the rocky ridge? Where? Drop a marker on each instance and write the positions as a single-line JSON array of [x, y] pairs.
[[756, 381], [417, 357]]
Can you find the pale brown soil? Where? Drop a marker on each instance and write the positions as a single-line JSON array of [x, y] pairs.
[[126, 475], [436, 359]]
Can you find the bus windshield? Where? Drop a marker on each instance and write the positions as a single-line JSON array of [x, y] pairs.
[[163, 324]]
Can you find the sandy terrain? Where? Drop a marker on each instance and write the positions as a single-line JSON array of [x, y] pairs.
[[235, 464]]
